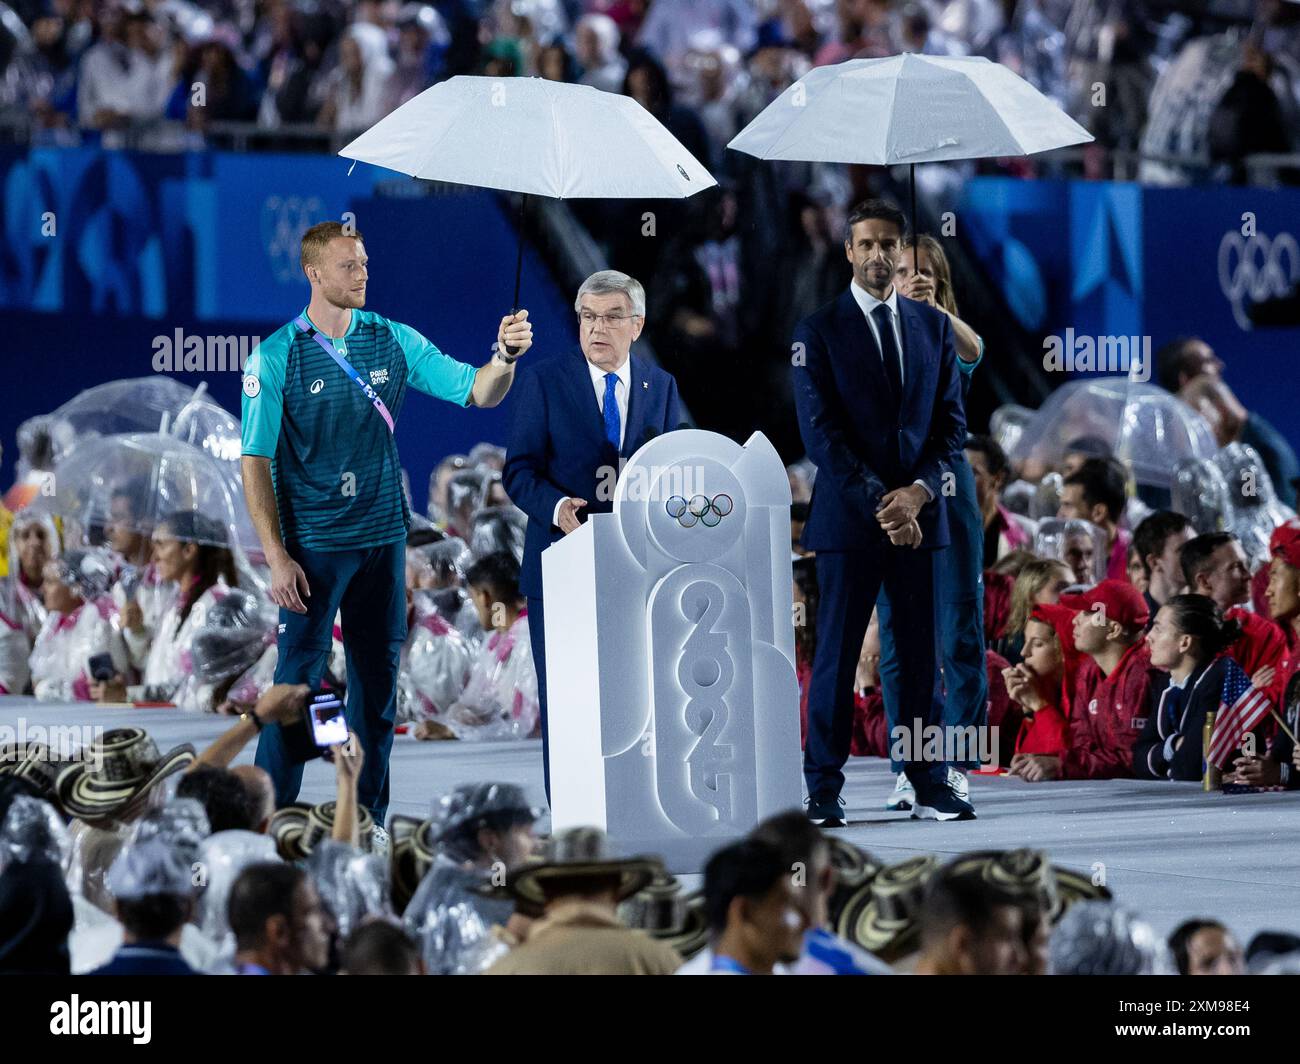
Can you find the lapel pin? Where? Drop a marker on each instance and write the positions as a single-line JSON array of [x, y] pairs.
[[645, 385]]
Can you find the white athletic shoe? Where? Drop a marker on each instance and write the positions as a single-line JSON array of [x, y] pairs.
[[959, 782], [378, 841], [904, 796]]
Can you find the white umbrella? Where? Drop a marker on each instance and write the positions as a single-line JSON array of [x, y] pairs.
[[537, 137], [908, 109]]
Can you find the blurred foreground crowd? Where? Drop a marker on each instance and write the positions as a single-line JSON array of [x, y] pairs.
[[136, 862]]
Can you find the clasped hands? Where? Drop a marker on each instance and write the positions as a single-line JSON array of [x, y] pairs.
[[897, 514]]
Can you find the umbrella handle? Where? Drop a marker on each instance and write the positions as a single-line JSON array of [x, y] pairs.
[[519, 263]]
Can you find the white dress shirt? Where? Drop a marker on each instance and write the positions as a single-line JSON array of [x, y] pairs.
[[868, 303], [622, 390]]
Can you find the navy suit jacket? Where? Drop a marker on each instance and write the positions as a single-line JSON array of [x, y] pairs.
[[558, 446], [863, 442]]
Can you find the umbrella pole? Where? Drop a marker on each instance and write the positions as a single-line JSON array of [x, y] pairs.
[[912, 172], [519, 260]]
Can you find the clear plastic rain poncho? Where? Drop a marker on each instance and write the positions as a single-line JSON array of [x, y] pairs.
[[500, 700], [467, 493], [1201, 494], [1146, 428], [435, 665], [1081, 545], [33, 831], [151, 866], [487, 456], [222, 857], [20, 599], [232, 639], [1007, 424], [353, 885], [181, 823], [1100, 938], [60, 658], [439, 482], [1254, 509], [499, 529], [448, 915]]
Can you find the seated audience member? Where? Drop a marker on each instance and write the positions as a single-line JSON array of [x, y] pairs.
[[1040, 582], [379, 947], [260, 792], [436, 658], [1003, 530], [192, 552], [1206, 947], [500, 700], [1100, 938], [33, 543], [477, 830], [153, 891], [755, 920], [1215, 565], [1158, 540], [578, 888], [969, 927], [1080, 449], [1137, 573], [1108, 704], [1184, 644], [802, 845], [1096, 492], [222, 795], [78, 627], [36, 914], [1281, 765], [278, 921], [1189, 368], [1039, 685], [870, 727]]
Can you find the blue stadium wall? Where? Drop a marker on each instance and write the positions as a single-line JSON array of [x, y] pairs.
[[103, 252], [1111, 259], [143, 245]]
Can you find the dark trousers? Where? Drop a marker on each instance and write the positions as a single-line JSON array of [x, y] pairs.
[[369, 586], [849, 582], [959, 621], [537, 636]]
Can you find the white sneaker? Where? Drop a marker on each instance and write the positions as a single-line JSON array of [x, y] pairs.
[[904, 796], [959, 782], [379, 842]]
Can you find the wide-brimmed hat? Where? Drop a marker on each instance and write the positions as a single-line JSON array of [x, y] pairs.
[[881, 916], [853, 869], [298, 827], [581, 853], [34, 762], [115, 773], [410, 855], [663, 912], [1027, 875]]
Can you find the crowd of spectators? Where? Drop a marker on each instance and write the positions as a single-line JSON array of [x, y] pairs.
[[132, 861]]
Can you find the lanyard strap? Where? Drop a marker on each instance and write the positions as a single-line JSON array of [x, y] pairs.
[[306, 326]]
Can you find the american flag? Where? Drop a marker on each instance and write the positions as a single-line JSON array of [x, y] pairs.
[[1241, 707]]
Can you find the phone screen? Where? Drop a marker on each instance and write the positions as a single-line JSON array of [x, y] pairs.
[[328, 724]]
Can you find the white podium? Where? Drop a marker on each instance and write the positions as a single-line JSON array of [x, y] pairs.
[[673, 707]]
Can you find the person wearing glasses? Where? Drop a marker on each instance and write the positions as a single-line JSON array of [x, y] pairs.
[[577, 418]]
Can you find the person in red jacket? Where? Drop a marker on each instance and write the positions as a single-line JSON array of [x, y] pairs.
[[1040, 686], [1108, 704], [1214, 565]]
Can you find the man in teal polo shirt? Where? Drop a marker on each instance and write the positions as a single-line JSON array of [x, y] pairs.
[[323, 484]]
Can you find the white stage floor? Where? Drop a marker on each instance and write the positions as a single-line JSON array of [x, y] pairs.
[[1167, 850]]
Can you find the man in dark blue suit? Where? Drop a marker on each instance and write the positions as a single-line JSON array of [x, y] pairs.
[[577, 416], [880, 411]]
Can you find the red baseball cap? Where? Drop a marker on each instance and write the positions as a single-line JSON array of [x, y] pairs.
[[1285, 543], [1120, 599]]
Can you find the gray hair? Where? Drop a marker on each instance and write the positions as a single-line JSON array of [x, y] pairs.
[[606, 282]]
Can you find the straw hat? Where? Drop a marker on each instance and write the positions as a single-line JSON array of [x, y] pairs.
[[298, 827], [116, 773]]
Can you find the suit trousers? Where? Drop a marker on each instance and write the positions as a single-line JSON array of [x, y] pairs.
[[849, 582]]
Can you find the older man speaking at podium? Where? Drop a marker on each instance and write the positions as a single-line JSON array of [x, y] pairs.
[[577, 417]]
